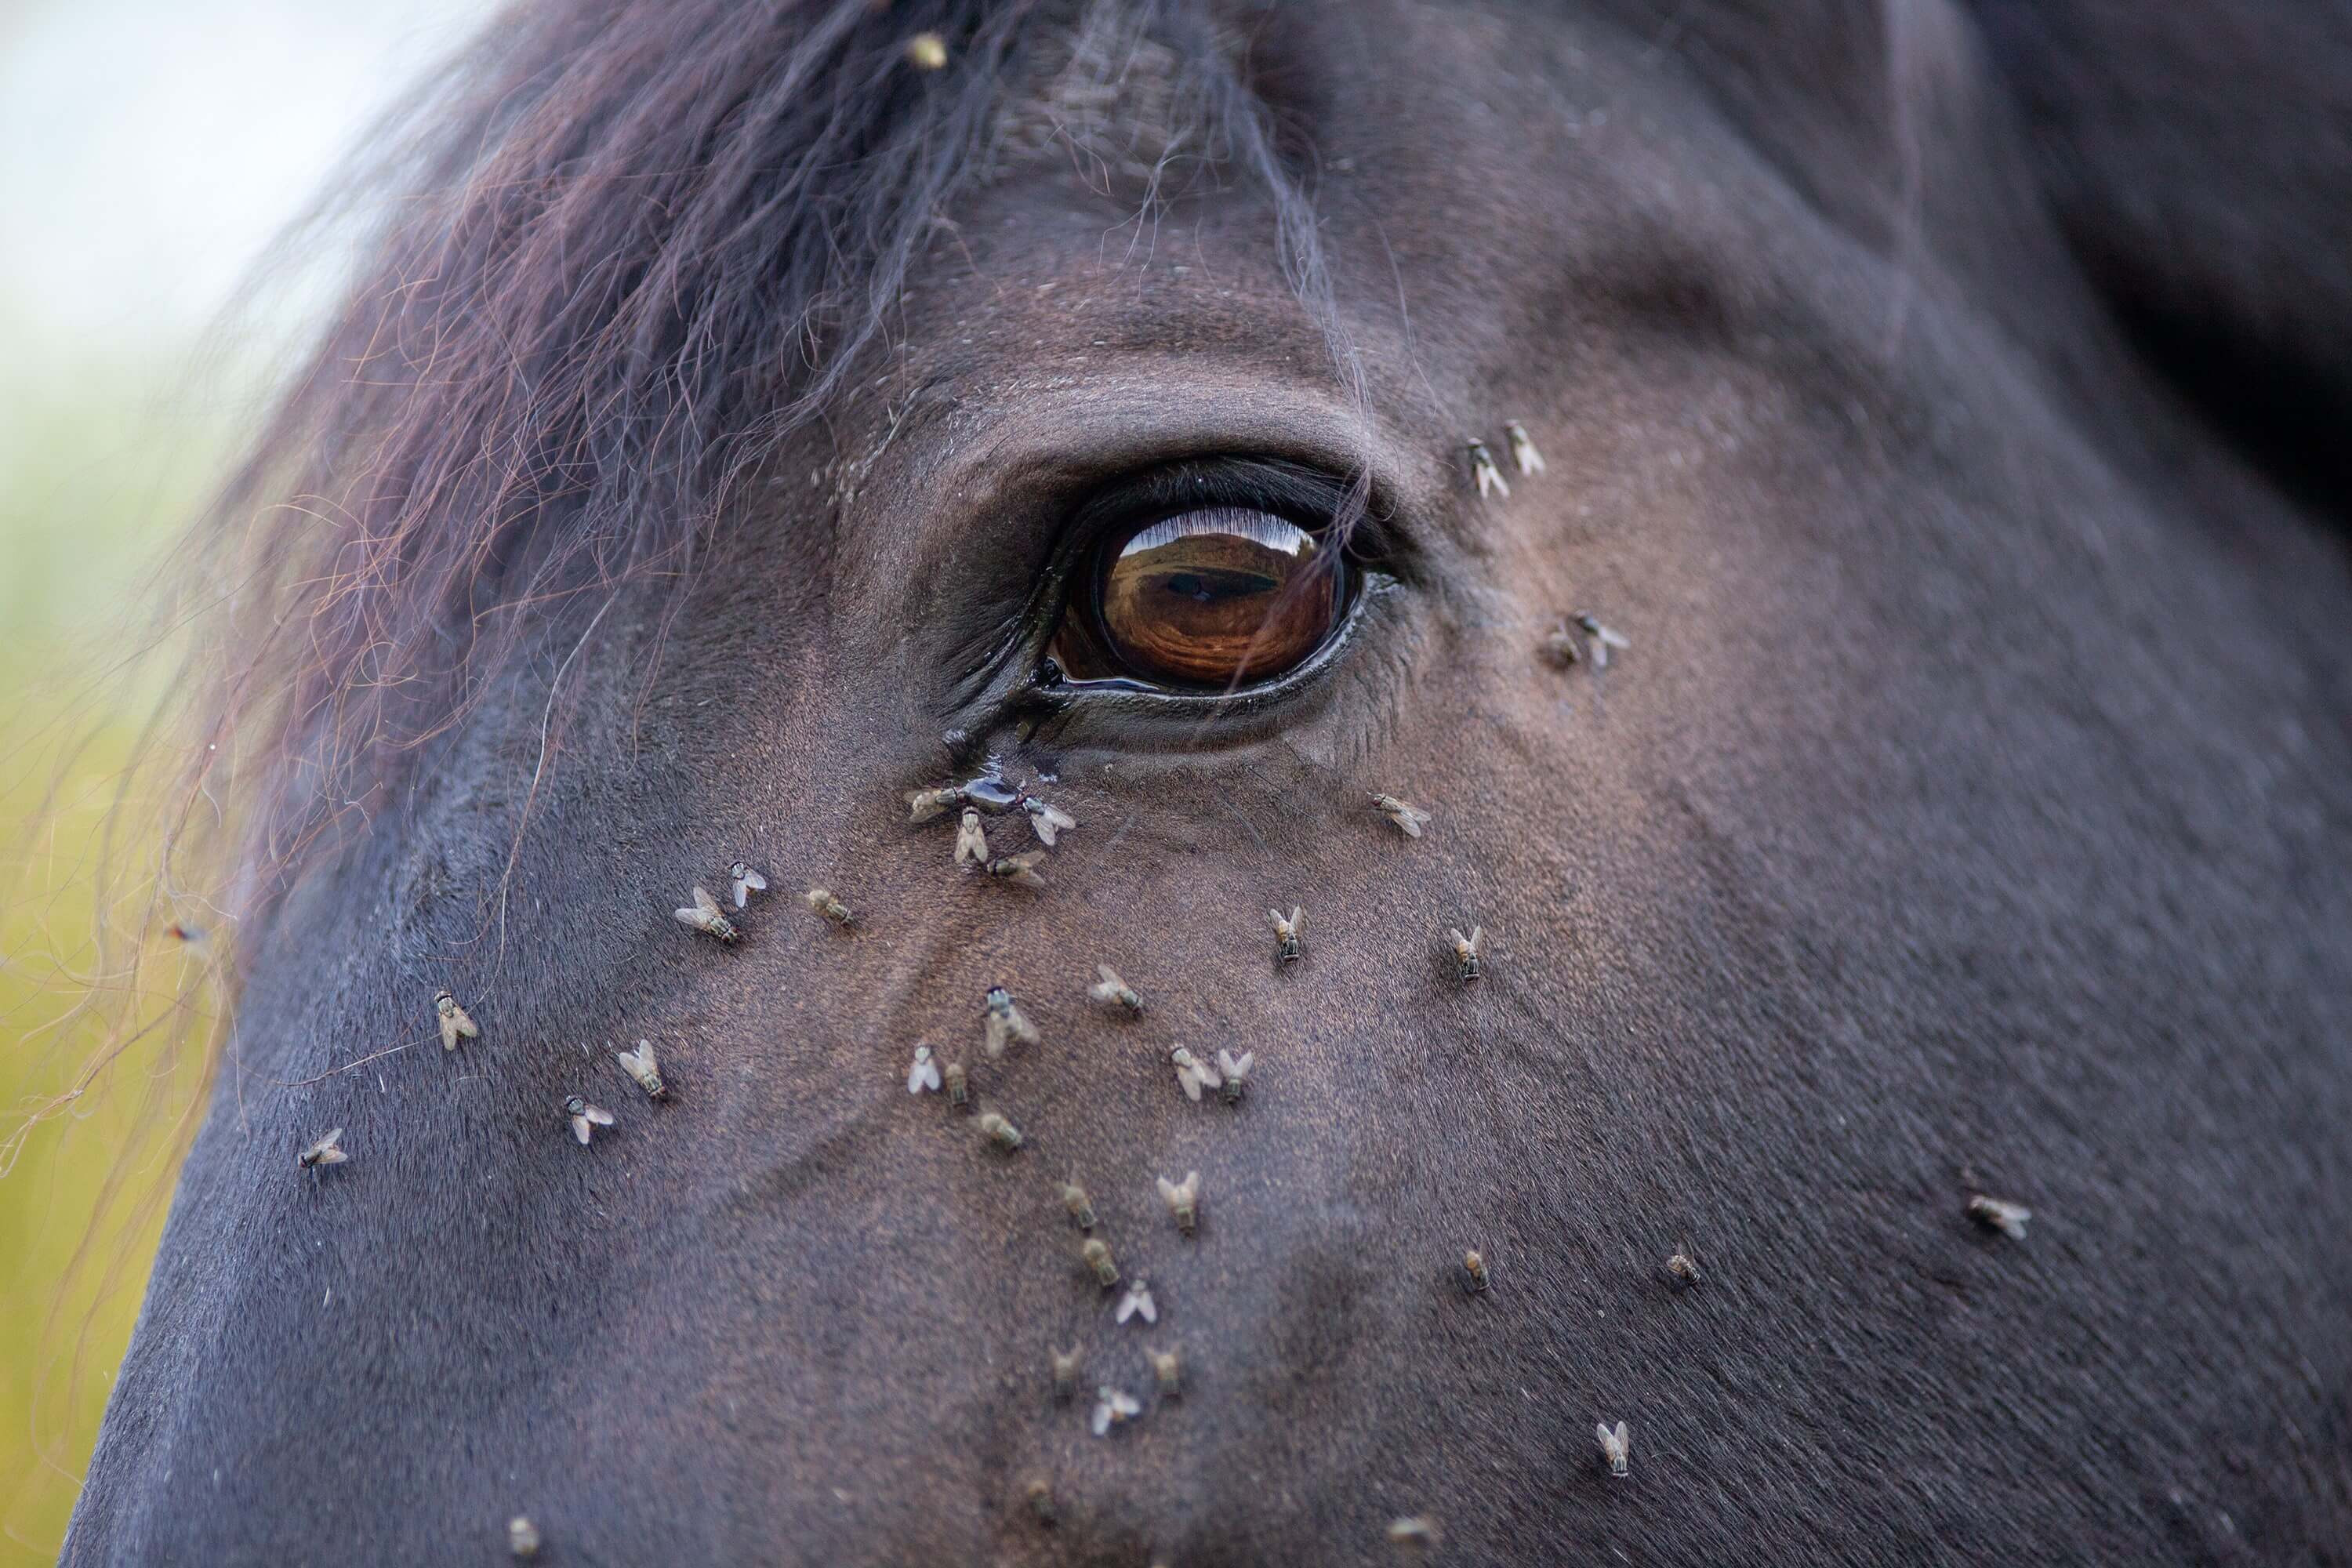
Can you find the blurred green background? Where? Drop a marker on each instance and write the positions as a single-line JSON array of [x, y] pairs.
[[148, 153]]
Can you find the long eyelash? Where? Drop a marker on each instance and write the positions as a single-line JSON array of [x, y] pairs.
[[1250, 522], [1335, 511]]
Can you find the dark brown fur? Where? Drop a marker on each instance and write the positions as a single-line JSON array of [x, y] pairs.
[[1973, 812]]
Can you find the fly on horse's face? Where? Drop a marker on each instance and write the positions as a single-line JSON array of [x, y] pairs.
[[1964, 813]]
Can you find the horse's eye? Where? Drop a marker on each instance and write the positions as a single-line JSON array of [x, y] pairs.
[[1217, 598]]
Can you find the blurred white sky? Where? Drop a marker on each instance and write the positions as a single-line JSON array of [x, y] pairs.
[[149, 148]]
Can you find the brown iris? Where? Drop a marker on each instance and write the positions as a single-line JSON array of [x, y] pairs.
[[1218, 597]]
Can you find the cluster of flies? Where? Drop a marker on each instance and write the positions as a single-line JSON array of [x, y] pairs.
[[1004, 1026], [1575, 639]]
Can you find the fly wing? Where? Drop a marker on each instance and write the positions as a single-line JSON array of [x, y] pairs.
[[1298, 920], [742, 891], [694, 918], [581, 1129], [704, 904], [972, 843], [449, 1031], [1191, 1082], [600, 1116]]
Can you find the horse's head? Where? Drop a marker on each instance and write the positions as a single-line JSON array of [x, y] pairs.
[[1885, 745]]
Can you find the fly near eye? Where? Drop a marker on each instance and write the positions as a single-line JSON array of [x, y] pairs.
[[1210, 599], [972, 842]]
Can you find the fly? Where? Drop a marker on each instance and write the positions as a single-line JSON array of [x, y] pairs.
[[1286, 934], [1113, 992], [971, 844], [1523, 449], [457, 1023], [327, 1151], [1020, 869], [645, 1067], [1603, 640], [585, 1118], [1408, 818], [1468, 962], [705, 917], [1482, 468], [1003, 1022], [925, 1074]]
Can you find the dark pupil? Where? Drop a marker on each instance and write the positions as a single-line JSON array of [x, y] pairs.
[[1217, 597]]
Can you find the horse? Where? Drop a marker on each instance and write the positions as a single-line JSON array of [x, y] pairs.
[[1815, 522]]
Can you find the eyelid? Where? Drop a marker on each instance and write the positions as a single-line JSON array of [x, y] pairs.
[[1309, 499]]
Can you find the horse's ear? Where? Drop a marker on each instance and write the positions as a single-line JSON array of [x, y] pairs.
[[2199, 160]]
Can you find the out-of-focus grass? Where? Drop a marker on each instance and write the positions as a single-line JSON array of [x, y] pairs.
[[97, 468]]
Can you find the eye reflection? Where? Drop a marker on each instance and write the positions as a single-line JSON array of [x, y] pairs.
[[1211, 598]]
